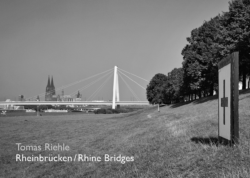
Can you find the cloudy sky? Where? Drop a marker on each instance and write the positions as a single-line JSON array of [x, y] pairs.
[[76, 39]]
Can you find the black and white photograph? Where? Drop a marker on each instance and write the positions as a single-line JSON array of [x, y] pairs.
[[124, 88]]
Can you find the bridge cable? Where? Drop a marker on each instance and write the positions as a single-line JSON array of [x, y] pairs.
[[132, 80], [99, 88], [83, 88], [129, 88], [133, 74]]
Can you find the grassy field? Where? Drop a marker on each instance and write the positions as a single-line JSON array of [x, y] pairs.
[[28, 114], [179, 141]]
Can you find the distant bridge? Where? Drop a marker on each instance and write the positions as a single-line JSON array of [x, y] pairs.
[[20, 103], [115, 101]]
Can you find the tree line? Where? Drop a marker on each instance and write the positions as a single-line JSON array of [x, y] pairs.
[[208, 44]]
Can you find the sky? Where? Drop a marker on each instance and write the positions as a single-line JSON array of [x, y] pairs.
[[72, 40]]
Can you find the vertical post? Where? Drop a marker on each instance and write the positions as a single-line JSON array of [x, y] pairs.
[[235, 97], [117, 87], [117, 90], [158, 107], [37, 113], [114, 88]]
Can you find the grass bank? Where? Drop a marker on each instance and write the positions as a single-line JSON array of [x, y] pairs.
[[178, 141]]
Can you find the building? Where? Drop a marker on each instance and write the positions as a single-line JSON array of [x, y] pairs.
[[50, 92], [66, 98]]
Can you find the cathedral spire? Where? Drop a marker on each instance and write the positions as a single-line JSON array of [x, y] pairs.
[[48, 85], [52, 83], [53, 91]]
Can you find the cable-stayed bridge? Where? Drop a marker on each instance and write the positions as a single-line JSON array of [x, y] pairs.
[[116, 92]]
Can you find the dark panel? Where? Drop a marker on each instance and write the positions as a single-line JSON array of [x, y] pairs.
[[219, 138], [235, 97]]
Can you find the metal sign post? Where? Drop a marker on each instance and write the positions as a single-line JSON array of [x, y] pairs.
[[228, 117]]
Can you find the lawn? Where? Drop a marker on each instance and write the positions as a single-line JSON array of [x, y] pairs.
[[178, 141]]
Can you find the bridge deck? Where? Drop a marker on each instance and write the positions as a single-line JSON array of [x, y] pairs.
[[73, 103]]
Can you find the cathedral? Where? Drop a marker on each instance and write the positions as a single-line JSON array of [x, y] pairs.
[[50, 93]]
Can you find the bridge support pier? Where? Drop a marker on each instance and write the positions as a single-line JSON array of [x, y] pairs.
[[116, 95], [37, 112]]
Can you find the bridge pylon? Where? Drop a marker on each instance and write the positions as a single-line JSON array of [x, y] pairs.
[[116, 95]]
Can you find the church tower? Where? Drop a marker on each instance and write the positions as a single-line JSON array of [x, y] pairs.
[[50, 90], [47, 91], [53, 90]]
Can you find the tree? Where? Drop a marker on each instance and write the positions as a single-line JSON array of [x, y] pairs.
[[235, 34], [156, 90], [201, 57], [174, 84], [193, 62]]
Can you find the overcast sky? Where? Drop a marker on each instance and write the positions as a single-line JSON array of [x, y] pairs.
[[75, 39]]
